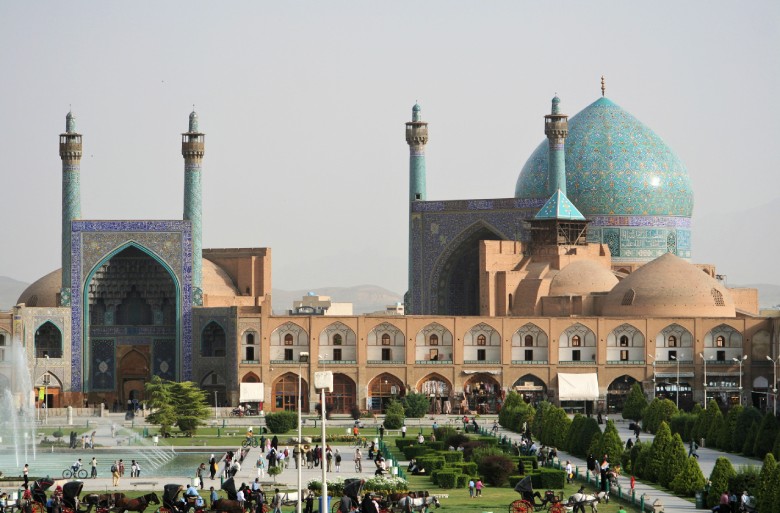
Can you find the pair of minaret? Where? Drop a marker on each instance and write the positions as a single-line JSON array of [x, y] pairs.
[[192, 149]]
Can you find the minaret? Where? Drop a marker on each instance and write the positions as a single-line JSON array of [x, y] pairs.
[[193, 143], [416, 138], [70, 153], [556, 128]]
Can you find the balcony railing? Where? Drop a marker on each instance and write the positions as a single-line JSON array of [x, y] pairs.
[[386, 362], [482, 362], [721, 362], [284, 362], [577, 362], [338, 362], [433, 362], [673, 362], [529, 362], [626, 362]]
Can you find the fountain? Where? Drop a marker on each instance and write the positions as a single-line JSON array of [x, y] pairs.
[[17, 404]]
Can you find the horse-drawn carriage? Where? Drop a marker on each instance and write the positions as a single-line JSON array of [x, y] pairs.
[[231, 504], [70, 496], [528, 504]]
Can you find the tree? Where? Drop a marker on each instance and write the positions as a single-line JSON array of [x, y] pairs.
[[745, 420], [726, 434], [181, 404], [635, 404], [716, 426], [750, 440], [610, 443], [589, 428], [556, 427], [416, 405], [541, 411], [573, 435], [660, 410], [659, 450], [765, 492], [676, 457], [719, 479], [765, 438], [689, 480], [394, 415]]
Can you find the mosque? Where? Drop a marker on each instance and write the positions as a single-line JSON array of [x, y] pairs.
[[572, 290]]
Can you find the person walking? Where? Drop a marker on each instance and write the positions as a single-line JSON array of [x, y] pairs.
[[212, 466], [26, 472], [403, 431], [121, 468], [297, 455], [381, 431], [329, 459], [114, 473], [213, 497], [137, 469], [692, 449], [199, 474], [569, 471], [276, 503], [260, 467], [471, 488], [337, 457], [478, 487], [93, 464]]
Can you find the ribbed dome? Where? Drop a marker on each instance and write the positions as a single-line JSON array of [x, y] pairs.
[[43, 292], [582, 278], [669, 287], [615, 165]]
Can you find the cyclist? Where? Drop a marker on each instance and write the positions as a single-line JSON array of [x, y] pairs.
[[250, 436], [76, 467], [495, 426]]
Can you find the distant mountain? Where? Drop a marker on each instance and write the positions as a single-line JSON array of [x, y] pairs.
[[364, 298], [10, 290]]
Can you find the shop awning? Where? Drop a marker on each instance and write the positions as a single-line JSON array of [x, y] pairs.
[[251, 392], [578, 387], [482, 371]]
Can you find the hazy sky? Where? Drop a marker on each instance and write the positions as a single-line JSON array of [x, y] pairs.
[[303, 104]]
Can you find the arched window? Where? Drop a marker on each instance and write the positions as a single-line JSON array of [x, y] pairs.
[[2, 347], [337, 339], [288, 339], [434, 339], [720, 341], [576, 341], [212, 340], [623, 340], [385, 339], [250, 338], [672, 341], [48, 341], [481, 340], [529, 341]]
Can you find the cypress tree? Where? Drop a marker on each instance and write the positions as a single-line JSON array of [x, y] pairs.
[[726, 435], [750, 440], [745, 420], [611, 443], [775, 491], [689, 480], [635, 403], [658, 453], [715, 427], [776, 448], [676, 457], [765, 492], [589, 428], [573, 435], [765, 438], [642, 460], [719, 479]]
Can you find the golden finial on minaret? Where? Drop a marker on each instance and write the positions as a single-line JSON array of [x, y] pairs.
[[603, 87]]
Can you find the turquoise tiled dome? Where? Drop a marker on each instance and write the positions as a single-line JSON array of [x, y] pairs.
[[615, 165]]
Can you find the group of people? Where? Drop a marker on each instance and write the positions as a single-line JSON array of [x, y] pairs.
[[475, 488], [730, 503]]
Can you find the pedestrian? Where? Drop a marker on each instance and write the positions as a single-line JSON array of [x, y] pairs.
[[121, 468], [309, 502], [137, 469], [420, 439], [381, 431], [213, 497], [276, 503], [297, 455], [92, 441], [212, 466], [93, 464], [403, 431], [337, 457], [471, 488], [693, 446], [478, 487], [317, 455], [309, 458], [569, 471], [260, 467], [114, 473], [26, 472], [329, 459], [633, 483], [83, 441], [199, 474]]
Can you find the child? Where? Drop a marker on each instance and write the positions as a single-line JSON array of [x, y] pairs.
[[213, 497]]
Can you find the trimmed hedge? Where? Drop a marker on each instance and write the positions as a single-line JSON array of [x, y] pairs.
[[447, 479], [548, 479], [430, 462], [461, 480], [401, 443], [438, 445], [451, 456], [467, 467], [415, 451], [514, 479], [530, 463], [281, 422], [489, 440]]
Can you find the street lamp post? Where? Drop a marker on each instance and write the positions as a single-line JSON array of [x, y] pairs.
[[324, 381], [45, 388], [740, 361], [653, 357], [774, 382], [302, 358], [705, 379]]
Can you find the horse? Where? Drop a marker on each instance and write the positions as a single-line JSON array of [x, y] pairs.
[[231, 506], [579, 500], [138, 505], [409, 503]]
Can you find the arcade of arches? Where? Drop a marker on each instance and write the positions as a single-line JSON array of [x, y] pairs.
[[285, 393], [382, 389]]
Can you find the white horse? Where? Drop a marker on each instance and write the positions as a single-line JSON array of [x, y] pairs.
[[578, 501], [421, 504]]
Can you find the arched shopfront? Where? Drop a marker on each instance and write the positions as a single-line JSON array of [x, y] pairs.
[[439, 390], [532, 388], [285, 393], [343, 396], [381, 390], [617, 393], [482, 393]]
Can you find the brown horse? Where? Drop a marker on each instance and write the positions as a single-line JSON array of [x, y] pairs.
[[230, 506], [138, 505]]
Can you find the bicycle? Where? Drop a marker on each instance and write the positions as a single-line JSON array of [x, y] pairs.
[[69, 473], [250, 442]]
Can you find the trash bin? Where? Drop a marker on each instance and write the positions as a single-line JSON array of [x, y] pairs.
[[700, 500], [327, 504]]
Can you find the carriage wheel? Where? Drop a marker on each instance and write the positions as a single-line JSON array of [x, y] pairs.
[[557, 507], [520, 506]]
